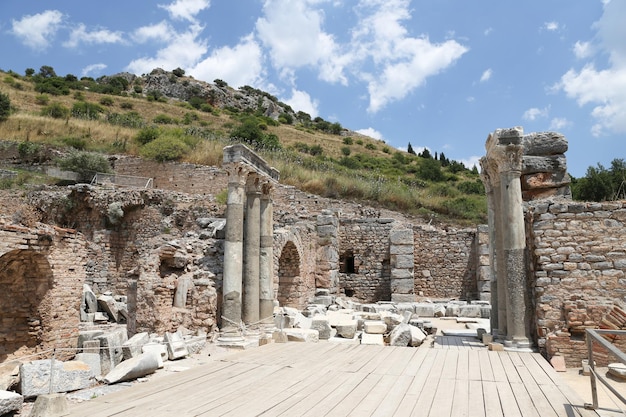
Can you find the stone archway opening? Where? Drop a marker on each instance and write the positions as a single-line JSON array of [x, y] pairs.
[[291, 289], [25, 278]]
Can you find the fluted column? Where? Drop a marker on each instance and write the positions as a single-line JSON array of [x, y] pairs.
[[266, 272], [486, 174], [252, 243], [233, 251]]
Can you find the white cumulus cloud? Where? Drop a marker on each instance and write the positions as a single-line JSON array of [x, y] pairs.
[[302, 101], [559, 123], [93, 68], [551, 26], [160, 32], [372, 133], [186, 9], [80, 35], [36, 31], [583, 50], [486, 75], [534, 113]]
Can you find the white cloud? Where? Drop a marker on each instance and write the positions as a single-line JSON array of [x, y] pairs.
[[583, 50], [488, 31], [161, 31], [604, 89], [559, 123], [534, 113], [470, 99], [80, 35], [486, 75], [470, 162], [551, 26], [302, 101], [97, 68], [184, 50], [401, 62], [371, 132], [238, 66], [186, 9], [292, 31], [36, 31]]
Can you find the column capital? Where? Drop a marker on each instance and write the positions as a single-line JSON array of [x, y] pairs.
[[267, 188], [253, 183], [237, 173]]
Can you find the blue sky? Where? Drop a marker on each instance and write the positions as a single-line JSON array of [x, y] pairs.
[[439, 74]]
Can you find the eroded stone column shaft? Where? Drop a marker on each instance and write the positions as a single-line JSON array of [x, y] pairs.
[[266, 264], [252, 243], [233, 250]]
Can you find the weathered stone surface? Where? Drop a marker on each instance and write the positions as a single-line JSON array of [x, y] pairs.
[[558, 363], [66, 376], [372, 339], [108, 304], [392, 320], [417, 336], [92, 360], [618, 370], [552, 163], [50, 405], [176, 347], [133, 368], [400, 335], [321, 324], [374, 327], [544, 143], [425, 310], [302, 335], [470, 311], [10, 401], [346, 329], [9, 374], [158, 349], [132, 347], [111, 352]]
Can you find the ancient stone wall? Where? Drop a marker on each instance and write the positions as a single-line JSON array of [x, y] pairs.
[[363, 246], [41, 273], [445, 265], [578, 253]]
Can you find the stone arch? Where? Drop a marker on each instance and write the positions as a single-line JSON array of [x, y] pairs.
[[290, 282], [25, 279]]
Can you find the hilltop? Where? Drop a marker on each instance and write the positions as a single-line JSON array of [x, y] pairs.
[[168, 116]]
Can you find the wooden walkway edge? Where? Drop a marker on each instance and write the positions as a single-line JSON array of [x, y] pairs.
[[327, 379]]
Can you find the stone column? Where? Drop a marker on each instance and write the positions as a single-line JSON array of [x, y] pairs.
[[487, 175], [252, 247], [266, 261], [401, 248], [233, 252]]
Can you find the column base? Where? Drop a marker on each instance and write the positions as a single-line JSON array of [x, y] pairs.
[[521, 344]]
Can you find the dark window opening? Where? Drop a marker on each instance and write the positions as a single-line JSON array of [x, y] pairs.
[[346, 263], [349, 292]]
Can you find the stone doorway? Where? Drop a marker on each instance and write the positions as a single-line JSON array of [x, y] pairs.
[[25, 278], [291, 289]]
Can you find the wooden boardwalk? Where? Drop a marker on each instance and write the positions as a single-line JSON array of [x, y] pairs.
[[329, 379]]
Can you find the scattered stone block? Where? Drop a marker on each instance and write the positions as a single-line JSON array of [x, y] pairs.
[[176, 347], [111, 349], [108, 304], [66, 376], [133, 368], [88, 304], [453, 310], [586, 367], [325, 300], [157, 348], [617, 370], [91, 346], [374, 327], [400, 335], [9, 374], [439, 310], [195, 344], [417, 336], [132, 347], [280, 337], [347, 329], [92, 360], [10, 401], [372, 339], [87, 335], [302, 335], [487, 338], [558, 363], [353, 341], [50, 405], [425, 310], [392, 320], [321, 324], [471, 310], [496, 346]]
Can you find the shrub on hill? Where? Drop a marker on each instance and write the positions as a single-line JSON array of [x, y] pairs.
[[86, 164], [5, 106]]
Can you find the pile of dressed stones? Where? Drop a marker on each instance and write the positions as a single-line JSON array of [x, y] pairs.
[[384, 323], [106, 356]]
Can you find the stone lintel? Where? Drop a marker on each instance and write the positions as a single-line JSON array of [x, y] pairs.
[[240, 153]]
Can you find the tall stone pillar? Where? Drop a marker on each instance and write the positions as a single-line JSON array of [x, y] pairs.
[[486, 174], [266, 261], [233, 251], [252, 247]]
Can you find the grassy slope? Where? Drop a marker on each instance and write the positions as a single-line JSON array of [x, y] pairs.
[[387, 177]]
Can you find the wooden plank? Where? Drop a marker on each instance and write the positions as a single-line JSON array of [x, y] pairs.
[[474, 371], [362, 357], [508, 402], [462, 365], [461, 399], [450, 365], [444, 397], [417, 385], [377, 395], [499, 374], [509, 369], [402, 357], [491, 399], [416, 362], [486, 373], [525, 403], [427, 395], [345, 407], [535, 370], [476, 407], [541, 403], [376, 361], [389, 405]]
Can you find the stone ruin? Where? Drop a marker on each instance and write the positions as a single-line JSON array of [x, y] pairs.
[[171, 258]]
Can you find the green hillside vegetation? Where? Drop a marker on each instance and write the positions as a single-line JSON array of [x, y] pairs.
[[91, 118]]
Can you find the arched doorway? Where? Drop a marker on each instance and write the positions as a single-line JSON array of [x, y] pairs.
[[25, 278], [290, 285]]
